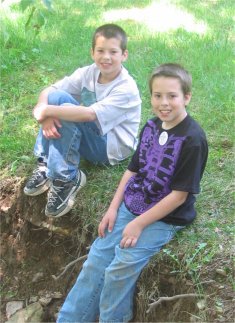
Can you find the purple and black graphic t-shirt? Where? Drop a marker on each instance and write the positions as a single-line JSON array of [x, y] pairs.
[[167, 160]]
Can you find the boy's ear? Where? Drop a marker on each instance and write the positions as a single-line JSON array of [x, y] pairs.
[[92, 53], [124, 55], [187, 98]]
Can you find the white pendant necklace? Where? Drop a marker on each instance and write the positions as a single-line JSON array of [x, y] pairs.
[[163, 138]]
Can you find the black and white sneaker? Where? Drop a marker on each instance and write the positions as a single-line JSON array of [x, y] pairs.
[[61, 196], [39, 182]]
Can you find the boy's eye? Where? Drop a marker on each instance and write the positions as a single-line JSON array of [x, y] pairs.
[[157, 96]]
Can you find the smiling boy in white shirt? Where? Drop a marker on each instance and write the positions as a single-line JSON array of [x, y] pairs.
[[94, 113]]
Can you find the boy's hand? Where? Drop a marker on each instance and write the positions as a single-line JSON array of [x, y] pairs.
[[49, 128], [131, 234], [39, 112], [107, 221]]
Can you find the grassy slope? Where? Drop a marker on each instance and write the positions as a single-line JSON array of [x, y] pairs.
[[30, 63]]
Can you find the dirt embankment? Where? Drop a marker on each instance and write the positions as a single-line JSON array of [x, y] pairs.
[[35, 253]]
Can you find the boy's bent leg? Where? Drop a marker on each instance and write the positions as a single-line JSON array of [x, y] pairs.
[[62, 156], [64, 159], [82, 302], [41, 148], [93, 144], [39, 182], [63, 170], [60, 97], [116, 302]]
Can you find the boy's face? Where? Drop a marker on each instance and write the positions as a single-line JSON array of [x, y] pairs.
[[108, 57], [168, 101]]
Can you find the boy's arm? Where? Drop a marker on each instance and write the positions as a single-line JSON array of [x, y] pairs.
[[49, 125], [109, 218], [65, 112], [43, 96], [134, 229]]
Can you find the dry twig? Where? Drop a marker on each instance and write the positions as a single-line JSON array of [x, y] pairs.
[[167, 299], [68, 266]]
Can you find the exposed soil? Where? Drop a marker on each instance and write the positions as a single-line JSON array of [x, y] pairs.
[[35, 249]]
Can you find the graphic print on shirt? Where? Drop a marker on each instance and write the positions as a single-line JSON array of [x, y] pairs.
[[156, 166], [87, 97]]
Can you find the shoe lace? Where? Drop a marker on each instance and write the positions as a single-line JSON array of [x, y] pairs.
[[53, 194], [37, 173]]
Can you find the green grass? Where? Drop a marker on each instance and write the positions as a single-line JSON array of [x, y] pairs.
[[30, 63]]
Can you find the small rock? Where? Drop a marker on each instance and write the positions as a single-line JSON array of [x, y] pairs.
[[221, 287], [56, 295], [188, 283], [33, 299], [44, 301], [219, 309], [32, 313], [13, 307], [221, 272], [37, 277], [41, 293], [5, 208], [201, 304]]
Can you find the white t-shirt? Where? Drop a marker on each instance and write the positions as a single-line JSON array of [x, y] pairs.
[[117, 106]]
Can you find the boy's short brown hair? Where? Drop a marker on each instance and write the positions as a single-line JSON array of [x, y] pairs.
[[175, 71], [110, 31]]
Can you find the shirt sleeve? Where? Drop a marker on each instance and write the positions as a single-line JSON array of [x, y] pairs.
[[190, 167], [71, 84], [117, 107]]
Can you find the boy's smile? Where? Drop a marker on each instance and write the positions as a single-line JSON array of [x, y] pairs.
[[108, 57], [168, 101]]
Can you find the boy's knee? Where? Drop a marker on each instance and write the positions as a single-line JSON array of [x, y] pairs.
[[57, 97]]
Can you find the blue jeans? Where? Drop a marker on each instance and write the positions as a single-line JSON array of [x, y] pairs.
[[78, 139], [105, 286]]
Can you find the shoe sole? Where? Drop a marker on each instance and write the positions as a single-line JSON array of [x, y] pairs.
[[71, 199], [43, 188]]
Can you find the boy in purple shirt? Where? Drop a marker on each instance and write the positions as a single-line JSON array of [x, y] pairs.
[[154, 200]]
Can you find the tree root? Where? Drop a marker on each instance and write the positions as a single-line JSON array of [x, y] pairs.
[[167, 299], [68, 266]]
